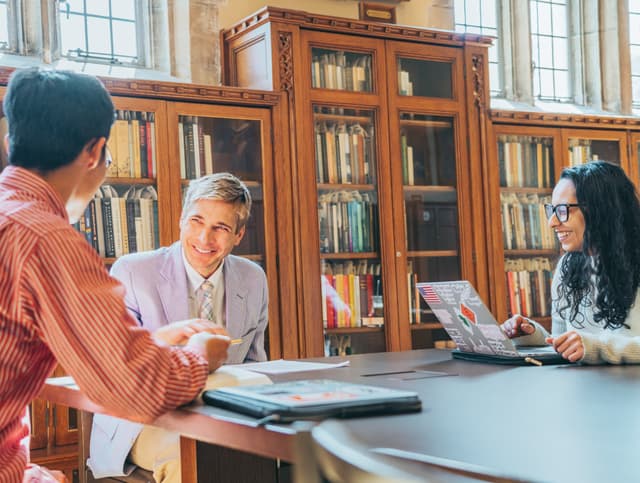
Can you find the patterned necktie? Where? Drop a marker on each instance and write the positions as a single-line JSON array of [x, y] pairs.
[[205, 296]]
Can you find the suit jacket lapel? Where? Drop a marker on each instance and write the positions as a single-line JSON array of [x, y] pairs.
[[172, 285], [236, 299]]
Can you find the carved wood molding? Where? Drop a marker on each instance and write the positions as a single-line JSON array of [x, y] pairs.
[[477, 69], [285, 61], [178, 91], [567, 120], [352, 26]]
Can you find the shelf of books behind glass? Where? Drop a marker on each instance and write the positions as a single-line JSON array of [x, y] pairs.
[[430, 206], [340, 70], [215, 144], [122, 218], [526, 178], [584, 150], [351, 280]]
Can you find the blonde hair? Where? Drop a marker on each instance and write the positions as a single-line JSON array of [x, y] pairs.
[[223, 187]]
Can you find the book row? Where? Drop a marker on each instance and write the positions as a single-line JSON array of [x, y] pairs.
[[212, 144], [404, 83], [418, 309], [580, 152], [132, 144], [347, 222], [529, 286], [525, 161], [351, 294], [341, 70], [525, 222], [116, 224], [344, 152], [196, 148]]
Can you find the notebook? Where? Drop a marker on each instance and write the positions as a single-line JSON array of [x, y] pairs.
[[473, 328], [312, 399]]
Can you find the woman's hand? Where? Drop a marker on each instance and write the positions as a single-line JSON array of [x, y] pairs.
[[517, 326], [178, 333], [569, 345]]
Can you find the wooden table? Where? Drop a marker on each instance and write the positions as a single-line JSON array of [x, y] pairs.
[[552, 423]]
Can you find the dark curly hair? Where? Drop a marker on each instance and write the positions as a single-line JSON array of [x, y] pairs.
[[611, 245]]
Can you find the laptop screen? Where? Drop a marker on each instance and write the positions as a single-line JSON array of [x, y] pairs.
[[466, 318]]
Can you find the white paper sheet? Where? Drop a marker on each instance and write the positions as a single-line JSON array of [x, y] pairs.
[[282, 366]]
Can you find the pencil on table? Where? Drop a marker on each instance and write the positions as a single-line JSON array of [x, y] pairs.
[[530, 360], [235, 341]]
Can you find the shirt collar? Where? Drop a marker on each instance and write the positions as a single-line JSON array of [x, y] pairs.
[[32, 186], [195, 279]]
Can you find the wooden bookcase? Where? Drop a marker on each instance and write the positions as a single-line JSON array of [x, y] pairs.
[[387, 127], [529, 151], [193, 130]]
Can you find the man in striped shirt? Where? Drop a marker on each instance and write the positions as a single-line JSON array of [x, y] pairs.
[[58, 305]]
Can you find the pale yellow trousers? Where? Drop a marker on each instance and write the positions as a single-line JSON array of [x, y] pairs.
[[158, 450]]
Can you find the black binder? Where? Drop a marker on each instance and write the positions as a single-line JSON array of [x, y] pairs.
[[312, 399]]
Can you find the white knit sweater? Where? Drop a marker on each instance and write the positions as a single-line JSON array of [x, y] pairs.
[[613, 346]]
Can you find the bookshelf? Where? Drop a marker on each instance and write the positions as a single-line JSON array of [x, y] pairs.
[[164, 135], [386, 123], [531, 149]]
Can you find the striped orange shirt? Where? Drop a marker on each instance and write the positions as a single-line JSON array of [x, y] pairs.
[[58, 304]]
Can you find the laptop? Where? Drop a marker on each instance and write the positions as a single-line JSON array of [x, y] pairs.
[[312, 399], [474, 329]]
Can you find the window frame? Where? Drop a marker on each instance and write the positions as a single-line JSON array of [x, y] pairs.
[[497, 44], [537, 70], [143, 40]]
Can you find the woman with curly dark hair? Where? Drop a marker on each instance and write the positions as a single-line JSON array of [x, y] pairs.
[[595, 307]]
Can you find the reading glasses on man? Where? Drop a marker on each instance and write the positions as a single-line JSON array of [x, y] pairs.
[[107, 157], [561, 211]]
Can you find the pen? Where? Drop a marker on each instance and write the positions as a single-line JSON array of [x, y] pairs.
[[235, 341], [533, 361]]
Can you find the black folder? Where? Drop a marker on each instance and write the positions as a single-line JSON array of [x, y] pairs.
[[312, 399]]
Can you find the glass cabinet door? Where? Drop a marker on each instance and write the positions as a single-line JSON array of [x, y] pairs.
[[585, 147], [427, 153], [412, 73], [341, 70], [124, 215], [221, 140], [352, 285], [527, 177]]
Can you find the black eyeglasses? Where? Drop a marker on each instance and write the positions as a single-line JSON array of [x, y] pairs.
[[561, 211], [107, 157]]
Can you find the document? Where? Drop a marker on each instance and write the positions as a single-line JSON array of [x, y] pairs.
[[282, 366]]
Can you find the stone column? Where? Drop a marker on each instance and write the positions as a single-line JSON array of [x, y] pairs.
[[610, 56], [180, 34], [205, 42], [506, 47], [576, 60], [160, 37], [626, 89], [521, 52], [591, 53]]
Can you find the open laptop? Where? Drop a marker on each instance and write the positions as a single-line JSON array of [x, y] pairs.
[[473, 328]]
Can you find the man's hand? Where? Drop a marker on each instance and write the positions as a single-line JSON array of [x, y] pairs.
[[517, 326], [211, 347], [38, 474], [178, 333], [569, 345]]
